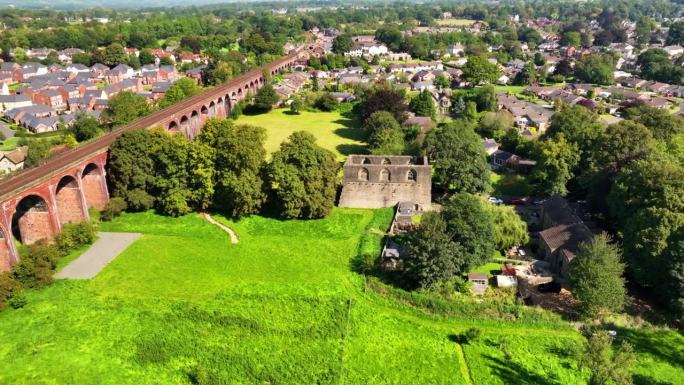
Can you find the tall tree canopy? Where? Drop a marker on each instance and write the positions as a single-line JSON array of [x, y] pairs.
[[302, 177], [458, 159], [596, 277]]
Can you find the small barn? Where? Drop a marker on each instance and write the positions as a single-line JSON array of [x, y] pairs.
[[479, 281]]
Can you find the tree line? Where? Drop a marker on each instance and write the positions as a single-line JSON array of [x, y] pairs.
[[223, 169]]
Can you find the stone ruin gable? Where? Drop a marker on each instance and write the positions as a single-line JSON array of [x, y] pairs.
[[374, 181]]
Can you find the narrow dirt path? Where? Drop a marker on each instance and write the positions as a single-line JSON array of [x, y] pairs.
[[233, 237]]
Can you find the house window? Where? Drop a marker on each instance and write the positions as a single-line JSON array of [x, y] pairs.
[[411, 176], [363, 174], [384, 175], [385, 161]]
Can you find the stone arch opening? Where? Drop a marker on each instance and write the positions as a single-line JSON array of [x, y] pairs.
[[212, 109], [411, 175], [226, 104], [363, 174], [385, 175], [204, 111], [184, 123], [173, 126], [366, 161], [94, 188], [31, 221], [385, 161], [68, 197]]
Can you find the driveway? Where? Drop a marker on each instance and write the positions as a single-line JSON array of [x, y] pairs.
[[6, 130], [104, 250]]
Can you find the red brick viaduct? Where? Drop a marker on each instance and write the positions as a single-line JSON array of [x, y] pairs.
[[37, 202]]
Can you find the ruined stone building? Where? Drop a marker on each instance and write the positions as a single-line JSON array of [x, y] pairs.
[[373, 181]]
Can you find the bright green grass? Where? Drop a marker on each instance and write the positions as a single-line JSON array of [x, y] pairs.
[[10, 144], [182, 305], [332, 131]]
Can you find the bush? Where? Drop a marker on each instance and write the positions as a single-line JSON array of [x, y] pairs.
[[7, 286], [326, 102], [113, 209], [36, 268], [470, 335], [139, 200], [18, 300], [75, 235]]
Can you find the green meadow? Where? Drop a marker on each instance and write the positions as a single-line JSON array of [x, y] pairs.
[[184, 306], [332, 130]]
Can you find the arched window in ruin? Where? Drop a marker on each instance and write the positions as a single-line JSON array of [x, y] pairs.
[[411, 175], [366, 161], [385, 161], [384, 175], [363, 174]]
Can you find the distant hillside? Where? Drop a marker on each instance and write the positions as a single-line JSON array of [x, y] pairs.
[[73, 4]]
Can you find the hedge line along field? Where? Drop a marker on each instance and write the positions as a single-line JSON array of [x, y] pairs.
[[184, 306]]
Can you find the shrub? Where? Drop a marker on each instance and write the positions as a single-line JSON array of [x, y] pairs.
[[113, 209], [18, 300], [470, 335], [75, 235], [139, 200], [7, 286], [36, 268], [326, 102]]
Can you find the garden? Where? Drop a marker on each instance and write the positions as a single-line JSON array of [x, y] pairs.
[[184, 306]]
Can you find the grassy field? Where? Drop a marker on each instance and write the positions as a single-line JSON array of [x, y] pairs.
[[332, 130], [10, 144], [184, 306]]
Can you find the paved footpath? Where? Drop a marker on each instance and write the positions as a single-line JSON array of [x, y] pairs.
[[100, 253]]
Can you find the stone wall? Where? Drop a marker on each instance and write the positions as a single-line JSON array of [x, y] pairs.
[[93, 189], [5, 256], [375, 181], [69, 205], [34, 226]]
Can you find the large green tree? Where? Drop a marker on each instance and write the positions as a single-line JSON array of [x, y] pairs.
[[596, 68], [385, 136], [471, 225], [302, 178], [556, 160], [265, 98], [478, 70], [124, 108], [342, 44], [85, 127], [509, 229], [423, 104], [458, 159], [431, 255], [238, 162], [383, 99], [182, 89], [596, 277]]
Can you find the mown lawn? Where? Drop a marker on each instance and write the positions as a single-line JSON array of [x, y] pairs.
[[332, 130], [184, 306]]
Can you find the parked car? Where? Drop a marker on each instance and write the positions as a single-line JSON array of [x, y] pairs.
[[495, 200], [519, 201]]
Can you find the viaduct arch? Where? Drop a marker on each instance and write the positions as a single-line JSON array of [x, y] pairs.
[[37, 202]]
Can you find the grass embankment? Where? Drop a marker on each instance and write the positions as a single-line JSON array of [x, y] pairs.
[[332, 130], [184, 306]]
